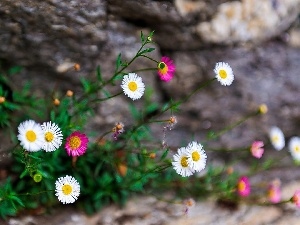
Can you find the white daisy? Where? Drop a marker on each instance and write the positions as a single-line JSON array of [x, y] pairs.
[[224, 73], [181, 164], [67, 189], [133, 86], [294, 148], [196, 156], [277, 138], [52, 136], [31, 135]]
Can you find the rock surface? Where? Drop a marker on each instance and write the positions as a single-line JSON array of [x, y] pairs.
[[150, 211]]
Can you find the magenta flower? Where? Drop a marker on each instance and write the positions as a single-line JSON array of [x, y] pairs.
[[296, 198], [257, 149], [274, 192], [76, 144], [243, 186], [166, 69]]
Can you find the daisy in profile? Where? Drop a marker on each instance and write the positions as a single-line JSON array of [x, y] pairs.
[[257, 149], [52, 136], [224, 73], [294, 148], [31, 135], [196, 156], [133, 86], [296, 198], [166, 69], [274, 191], [180, 163], [76, 144], [243, 186], [67, 189], [277, 138]]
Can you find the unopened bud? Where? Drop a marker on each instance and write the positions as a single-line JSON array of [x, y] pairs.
[[37, 177], [56, 102], [76, 67], [69, 93], [2, 99], [263, 109]]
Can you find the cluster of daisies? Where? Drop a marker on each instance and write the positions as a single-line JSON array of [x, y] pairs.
[[134, 87], [278, 141], [189, 159], [48, 136]]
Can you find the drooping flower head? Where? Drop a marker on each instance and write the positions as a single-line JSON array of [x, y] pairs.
[[166, 69], [274, 191], [294, 148], [188, 205], [257, 149], [67, 189], [31, 135], [196, 156], [172, 122], [117, 130], [296, 198], [277, 138], [133, 86], [76, 144], [243, 186], [180, 163], [52, 136], [224, 73]]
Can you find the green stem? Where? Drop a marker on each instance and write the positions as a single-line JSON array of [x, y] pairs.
[[150, 59], [231, 127], [104, 99]]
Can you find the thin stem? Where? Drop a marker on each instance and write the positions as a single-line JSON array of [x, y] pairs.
[[197, 89], [150, 59], [231, 127], [104, 99]]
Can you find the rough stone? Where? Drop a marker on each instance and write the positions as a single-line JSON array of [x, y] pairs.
[[248, 20]]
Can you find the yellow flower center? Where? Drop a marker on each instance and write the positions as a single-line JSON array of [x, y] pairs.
[[132, 86], [184, 162], [241, 186], [66, 189], [49, 136], [275, 138], [272, 193], [74, 142], [196, 156], [31, 136], [297, 148], [162, 67], [223, 74]]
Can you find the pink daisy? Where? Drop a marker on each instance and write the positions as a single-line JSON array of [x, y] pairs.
[[166, 69], [296, 198], [243, 186], [257, 149], [274, 192], [76, 144]]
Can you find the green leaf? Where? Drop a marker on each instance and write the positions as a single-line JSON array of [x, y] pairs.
[[16, 199], [146, 50], [99, 75], [14, 70], [142, 37], [23, 174], [164, 155], [86, 85], [134, 111], [118, 62]]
